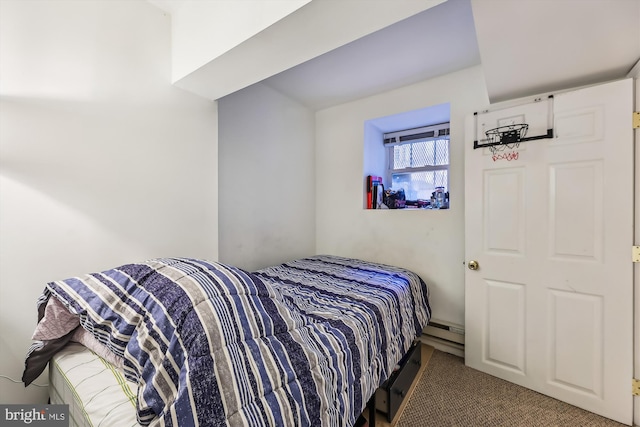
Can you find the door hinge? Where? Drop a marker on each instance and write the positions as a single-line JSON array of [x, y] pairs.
[[635, 387], [635, 253], [636, 119]]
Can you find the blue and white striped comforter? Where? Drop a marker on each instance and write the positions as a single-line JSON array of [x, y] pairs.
[[305, 343]]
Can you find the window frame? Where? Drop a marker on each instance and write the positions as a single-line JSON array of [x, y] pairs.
[[404, 137]]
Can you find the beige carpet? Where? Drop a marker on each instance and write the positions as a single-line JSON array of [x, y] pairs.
[[451, 394]]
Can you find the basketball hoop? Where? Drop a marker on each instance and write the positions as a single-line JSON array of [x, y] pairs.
[[503, 130], [503, 137], [509, 134]]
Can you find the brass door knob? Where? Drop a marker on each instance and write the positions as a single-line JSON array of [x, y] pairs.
[[473, 265]]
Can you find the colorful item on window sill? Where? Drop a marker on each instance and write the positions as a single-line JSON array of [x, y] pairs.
[[374, 185]]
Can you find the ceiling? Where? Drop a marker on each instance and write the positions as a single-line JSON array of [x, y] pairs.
[[437, 41], [530, 47], [525, 47]]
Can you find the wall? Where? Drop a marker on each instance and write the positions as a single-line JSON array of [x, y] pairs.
[[429, 242], [267, 178], [103, 162]]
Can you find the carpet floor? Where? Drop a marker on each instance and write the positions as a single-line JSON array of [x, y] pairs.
[[451, 394]]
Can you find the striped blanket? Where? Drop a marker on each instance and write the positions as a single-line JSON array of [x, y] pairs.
[[301, 344]]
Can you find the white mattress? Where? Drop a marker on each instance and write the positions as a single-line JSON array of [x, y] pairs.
[[96, 392]]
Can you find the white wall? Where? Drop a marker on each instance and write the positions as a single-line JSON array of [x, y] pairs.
[[429, 242], [103, 162], [267, 178]]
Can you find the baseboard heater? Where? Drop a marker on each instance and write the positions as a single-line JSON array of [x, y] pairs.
[[444, 336]]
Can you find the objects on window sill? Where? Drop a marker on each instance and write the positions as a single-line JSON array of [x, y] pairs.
[[394, 199], [374, 188], [420, 204], [379, 198], [439, 199]]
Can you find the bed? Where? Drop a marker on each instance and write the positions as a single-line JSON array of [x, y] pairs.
[[97, 392], [185, 342]]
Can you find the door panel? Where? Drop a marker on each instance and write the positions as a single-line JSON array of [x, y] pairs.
[[504, 213], [550, 223], [505, 326], [579, 125], [576, 228], [576, 361]]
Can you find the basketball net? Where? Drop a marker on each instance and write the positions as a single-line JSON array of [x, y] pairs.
[[499, 152], [512, 133]]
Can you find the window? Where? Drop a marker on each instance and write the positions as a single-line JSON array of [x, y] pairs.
[[411, 151], [418, 160]]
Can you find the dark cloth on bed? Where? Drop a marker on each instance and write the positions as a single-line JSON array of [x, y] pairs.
[[305, 343]]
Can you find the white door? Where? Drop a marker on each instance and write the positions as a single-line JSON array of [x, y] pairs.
[[550, 224]]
